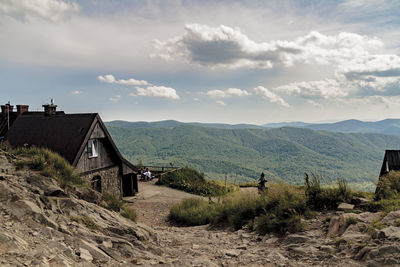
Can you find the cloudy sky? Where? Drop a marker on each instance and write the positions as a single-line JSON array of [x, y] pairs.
[[207, 61]]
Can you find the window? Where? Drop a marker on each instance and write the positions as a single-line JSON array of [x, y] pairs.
[[93, 148]]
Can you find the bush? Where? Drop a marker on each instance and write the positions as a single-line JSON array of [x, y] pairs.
[[327, 197], [191, 181], [49, 164], [279, 210], [129, 213], [388, 186]]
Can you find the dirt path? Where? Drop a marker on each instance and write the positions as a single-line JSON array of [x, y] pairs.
[[153, 202], [202, 246]]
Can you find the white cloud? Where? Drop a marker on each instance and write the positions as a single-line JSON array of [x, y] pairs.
[[158, 91], [150, 90], [272, 97], [224, 46], [314, 104], [115, 98], [45, 9], [227, 93], [221, 103], [108, 78], [328, 88], [76, 92]]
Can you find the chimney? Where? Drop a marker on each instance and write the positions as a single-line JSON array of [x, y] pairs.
[[7, 108], [50, 109], [21, 109]]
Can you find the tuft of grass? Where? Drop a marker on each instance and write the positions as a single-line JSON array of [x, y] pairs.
[[248, 184], [351, 220], [49, 164], [192, 212], [325, 197], [279, 210], [129, 213], [191, 181], [113, 203], [89, 223]]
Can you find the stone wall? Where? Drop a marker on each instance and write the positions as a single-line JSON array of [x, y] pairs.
[[110, 180]]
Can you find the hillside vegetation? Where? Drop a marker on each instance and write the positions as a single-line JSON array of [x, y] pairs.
[[242, 154]]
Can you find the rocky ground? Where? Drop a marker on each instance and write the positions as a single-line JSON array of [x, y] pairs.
[[42, 225]]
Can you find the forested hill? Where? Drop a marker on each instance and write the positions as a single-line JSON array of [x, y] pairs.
[[244, 153]]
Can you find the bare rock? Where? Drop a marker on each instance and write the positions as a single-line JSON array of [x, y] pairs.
[[24, 207], [391, 232], [388, 249], [296, 238], [368, 217], [345, 206], [85, 255], [336, 225], [231, 252], [391, 218], [89, 195]]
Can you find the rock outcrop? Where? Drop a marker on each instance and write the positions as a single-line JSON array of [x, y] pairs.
[[43, 225]]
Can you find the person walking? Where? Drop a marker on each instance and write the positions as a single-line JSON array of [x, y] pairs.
[[261, 183]]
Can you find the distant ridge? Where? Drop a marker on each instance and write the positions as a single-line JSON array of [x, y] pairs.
[[173, 123], [286, 124], [387, 126]]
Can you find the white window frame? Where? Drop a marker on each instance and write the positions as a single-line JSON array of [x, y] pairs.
[[93, 148]]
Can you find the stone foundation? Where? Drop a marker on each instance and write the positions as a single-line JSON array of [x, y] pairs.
[[110, 180]]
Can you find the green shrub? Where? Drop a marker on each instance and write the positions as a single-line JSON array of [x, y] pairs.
[[325, 197], [129, 213], [113, 203], [192, 211], [191, 181], [279, 210], [49, 164], [238, 209], [388, 186]]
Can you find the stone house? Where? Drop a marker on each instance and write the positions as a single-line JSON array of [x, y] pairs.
[[82, 139], [391, 162]]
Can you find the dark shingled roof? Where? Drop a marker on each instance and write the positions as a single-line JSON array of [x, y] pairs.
[[392, 157], [61, 133], [4, 122]]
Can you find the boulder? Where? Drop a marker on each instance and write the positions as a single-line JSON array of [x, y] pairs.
[[368, 217], [296, 239], [388, 249], [390, 232], [391, 218], [89, 195], [345, 206], [21, 208], [84, 254]]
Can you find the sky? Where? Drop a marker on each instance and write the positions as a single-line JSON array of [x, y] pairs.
[[206, 61]]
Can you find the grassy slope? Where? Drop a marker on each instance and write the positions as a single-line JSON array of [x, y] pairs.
[[243, 153]]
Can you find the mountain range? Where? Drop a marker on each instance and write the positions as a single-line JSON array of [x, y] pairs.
[[241, 154], [387, 126]]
